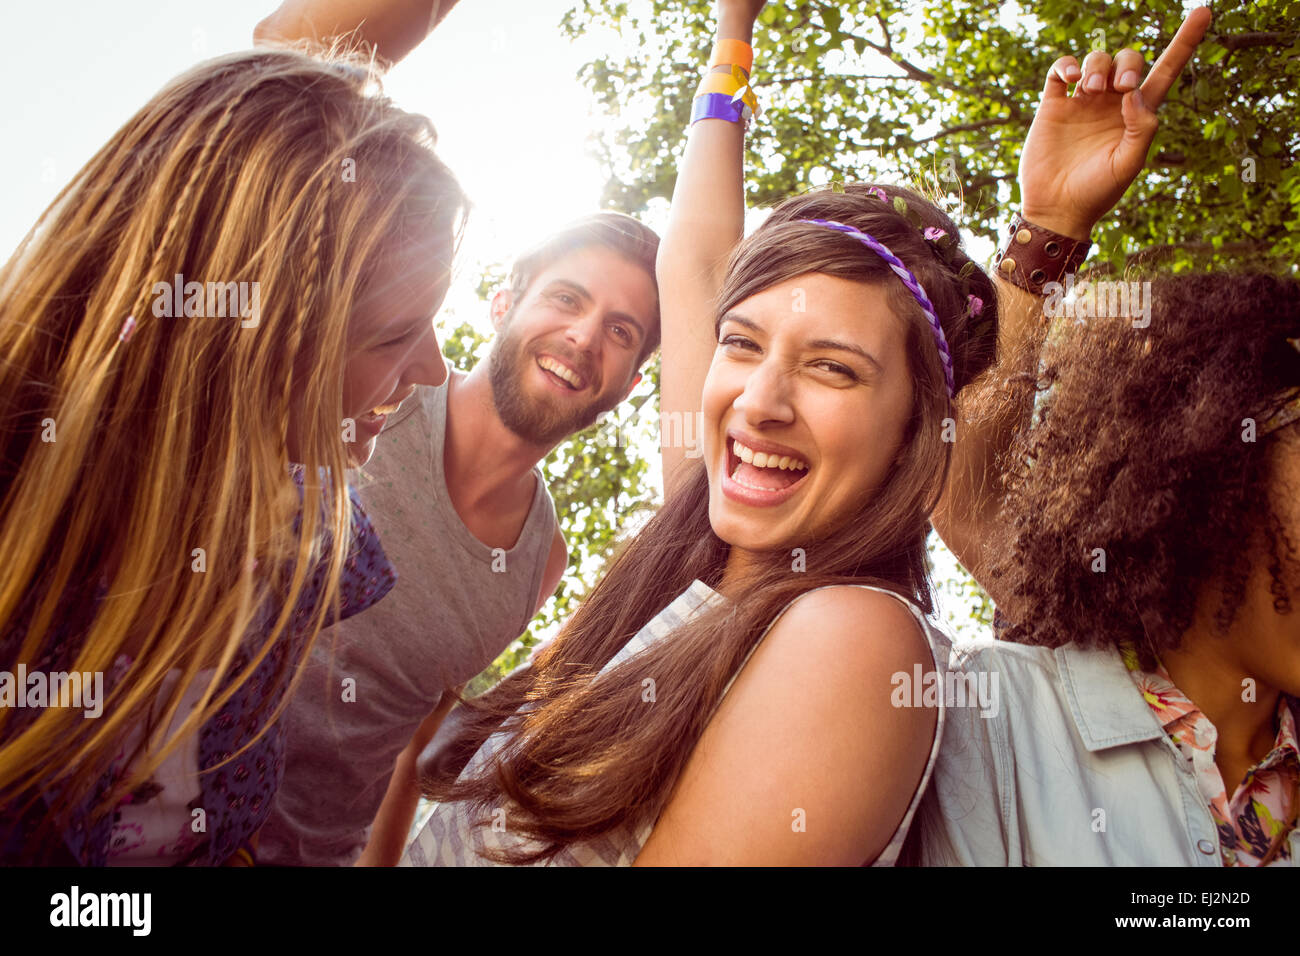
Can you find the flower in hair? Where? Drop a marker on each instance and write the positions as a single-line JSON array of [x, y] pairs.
[[878, 193], [976, 304], [934, 232]]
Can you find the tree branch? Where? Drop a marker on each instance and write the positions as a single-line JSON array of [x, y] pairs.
[[909, 68], [1156, 253], [767, 81], [966, 128], [1243, 41], [977, 184]]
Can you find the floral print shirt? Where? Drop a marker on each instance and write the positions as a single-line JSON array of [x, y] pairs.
[[235, 796], [1255, 822]]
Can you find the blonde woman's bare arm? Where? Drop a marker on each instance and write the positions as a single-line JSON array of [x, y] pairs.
[[392, 28]]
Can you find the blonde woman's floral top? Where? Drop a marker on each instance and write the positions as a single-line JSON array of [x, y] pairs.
[[238, 791], [1255, 822]]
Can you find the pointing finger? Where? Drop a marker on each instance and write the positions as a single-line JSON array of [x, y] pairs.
[[1175, 57]]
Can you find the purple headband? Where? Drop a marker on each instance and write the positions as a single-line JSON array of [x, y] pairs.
[[909, 280]]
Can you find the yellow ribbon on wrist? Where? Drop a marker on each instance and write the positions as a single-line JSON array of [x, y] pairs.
[[734, 84], [725, 83]]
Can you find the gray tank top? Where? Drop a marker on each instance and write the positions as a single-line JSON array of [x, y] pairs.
[[373, 678]]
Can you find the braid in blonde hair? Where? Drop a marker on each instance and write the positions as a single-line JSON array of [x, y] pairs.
[[197, 170], [164, 440]]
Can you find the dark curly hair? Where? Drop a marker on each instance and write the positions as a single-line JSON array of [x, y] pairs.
[[1140, 447]]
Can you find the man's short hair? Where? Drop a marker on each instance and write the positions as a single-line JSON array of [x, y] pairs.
[[634, 241]]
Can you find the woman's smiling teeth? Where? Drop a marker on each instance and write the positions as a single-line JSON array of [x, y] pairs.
[[771, 476], [391, 407], [763, 460], [570, 377]]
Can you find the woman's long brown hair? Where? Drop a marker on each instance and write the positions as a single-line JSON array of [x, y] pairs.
[[122, 455], [584, 757]]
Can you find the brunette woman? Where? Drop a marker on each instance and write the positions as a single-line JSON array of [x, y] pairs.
[[726, 693]]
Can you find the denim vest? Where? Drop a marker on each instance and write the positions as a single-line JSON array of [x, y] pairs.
[[1070, 769]]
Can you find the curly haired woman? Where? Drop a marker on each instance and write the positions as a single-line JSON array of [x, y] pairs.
[[1149, 559]]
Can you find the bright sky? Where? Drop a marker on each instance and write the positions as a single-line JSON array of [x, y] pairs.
[[518, 145], [78, 70]]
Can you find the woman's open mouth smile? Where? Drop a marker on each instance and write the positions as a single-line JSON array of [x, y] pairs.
[[761, 474]]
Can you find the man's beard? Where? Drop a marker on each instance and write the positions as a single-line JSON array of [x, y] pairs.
[[537, 419]]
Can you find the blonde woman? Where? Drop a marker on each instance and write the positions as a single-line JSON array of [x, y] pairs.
[[201, 333]]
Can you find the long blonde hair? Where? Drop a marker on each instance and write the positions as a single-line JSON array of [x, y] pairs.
[[123, 454]]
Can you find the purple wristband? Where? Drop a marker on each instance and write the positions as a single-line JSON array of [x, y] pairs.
[[716, 106]]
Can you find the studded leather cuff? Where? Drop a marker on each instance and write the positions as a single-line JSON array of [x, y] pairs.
[[1032, 256]]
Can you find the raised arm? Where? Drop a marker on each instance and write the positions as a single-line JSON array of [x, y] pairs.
[[392, 28], [1083, 151], [706, 222]]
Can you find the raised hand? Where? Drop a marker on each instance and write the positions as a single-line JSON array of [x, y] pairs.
[[1085, 149]]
